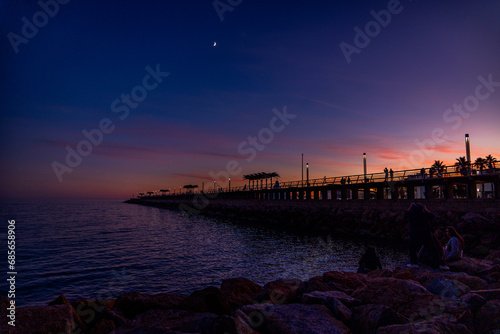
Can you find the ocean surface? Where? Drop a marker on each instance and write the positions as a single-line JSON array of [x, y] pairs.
[[101, 249]]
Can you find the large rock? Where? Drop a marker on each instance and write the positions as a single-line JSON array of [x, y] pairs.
[[240, 291], [281, 291], [469, 265], [322, 297], [368, 318], [404, 274], [408, 298], [380, 273], [133, 303], [494, 255], [224, 324], [210, 300], [314, 284], [61, 300], [291, 319], [487, 319], [447, 288], [473, 301], [244, 322], [345, 281], [435, 325], [332, 300], [103, 326], [473, 222], [99, 315], [473, 282], [424, 276], [170, 321], [45, 320], [389, 291]]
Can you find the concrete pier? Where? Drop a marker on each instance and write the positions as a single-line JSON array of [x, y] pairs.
[[413, 188]]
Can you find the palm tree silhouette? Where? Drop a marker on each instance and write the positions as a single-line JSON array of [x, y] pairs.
[[491, 161], [480, 163], [439, 167], [461, 165]]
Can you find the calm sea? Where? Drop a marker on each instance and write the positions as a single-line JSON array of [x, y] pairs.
[[101, 249]]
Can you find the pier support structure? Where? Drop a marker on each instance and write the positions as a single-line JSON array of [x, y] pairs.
[[471, 189]]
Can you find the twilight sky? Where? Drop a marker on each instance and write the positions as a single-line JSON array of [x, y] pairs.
[[139, 94]]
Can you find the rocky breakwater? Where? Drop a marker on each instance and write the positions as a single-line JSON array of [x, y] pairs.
[[385, 221], [465, 299]]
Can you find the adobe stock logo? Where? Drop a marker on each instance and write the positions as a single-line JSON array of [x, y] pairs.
[[372, 29], [29, 30], [221, 7]]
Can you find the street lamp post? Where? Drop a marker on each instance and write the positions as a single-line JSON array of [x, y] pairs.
[[230, 183], [364, 165], [307, 171], [302, 169], [467, 151]]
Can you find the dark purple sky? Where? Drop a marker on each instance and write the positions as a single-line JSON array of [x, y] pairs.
[[412, 84]]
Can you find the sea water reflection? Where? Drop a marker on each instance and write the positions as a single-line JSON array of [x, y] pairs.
[[95, 249]]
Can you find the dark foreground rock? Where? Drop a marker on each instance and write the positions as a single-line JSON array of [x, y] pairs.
[[404, 300]]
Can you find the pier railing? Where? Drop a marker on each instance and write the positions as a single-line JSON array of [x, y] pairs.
[[357, 179], [403, 175]]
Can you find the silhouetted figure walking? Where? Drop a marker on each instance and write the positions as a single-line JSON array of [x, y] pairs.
[[392, 173], [386, 171]]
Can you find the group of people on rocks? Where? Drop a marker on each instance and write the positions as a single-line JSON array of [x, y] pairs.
[[425, 247]]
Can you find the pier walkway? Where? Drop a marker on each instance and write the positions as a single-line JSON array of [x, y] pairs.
[[405, 184]]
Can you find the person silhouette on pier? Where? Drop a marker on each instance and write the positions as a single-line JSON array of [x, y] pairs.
[[422, 173], [369, 261], [386, 171], [392, 173]]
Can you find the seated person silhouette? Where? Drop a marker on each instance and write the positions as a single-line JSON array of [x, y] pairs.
[[369, 261]]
